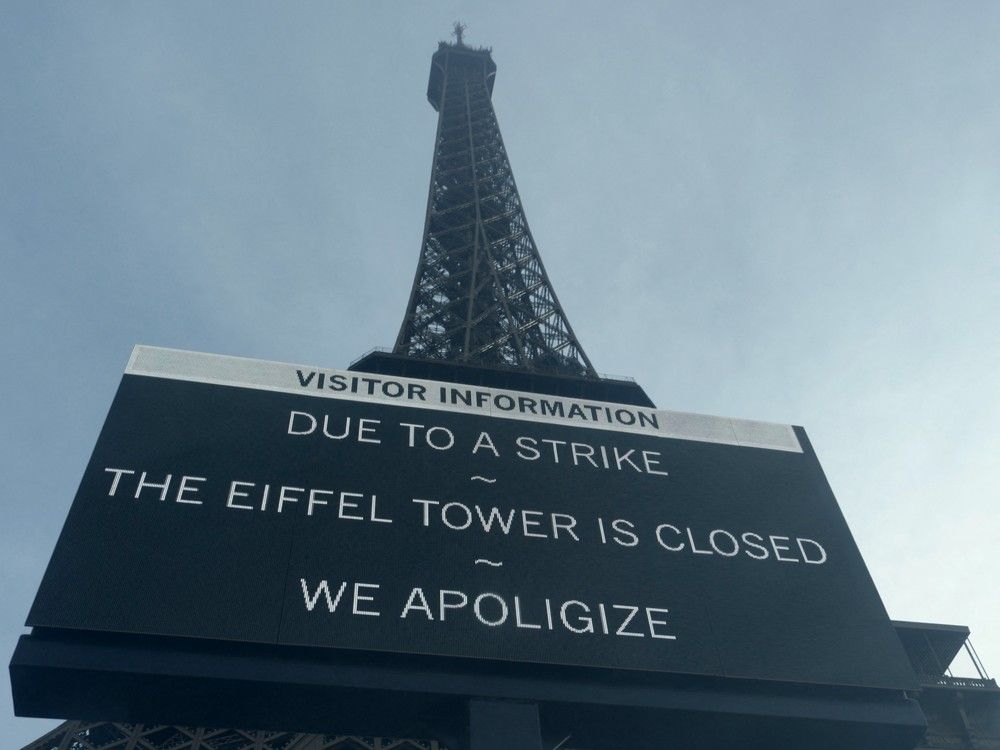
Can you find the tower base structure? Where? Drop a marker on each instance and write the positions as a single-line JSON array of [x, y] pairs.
[[618, 390]]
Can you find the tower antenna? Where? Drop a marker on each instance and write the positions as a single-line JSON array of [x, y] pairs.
[[458, 29]]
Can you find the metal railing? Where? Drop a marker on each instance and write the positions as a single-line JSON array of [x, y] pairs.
[[958, 683]]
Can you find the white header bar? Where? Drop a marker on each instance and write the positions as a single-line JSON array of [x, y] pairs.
[[263, 375]]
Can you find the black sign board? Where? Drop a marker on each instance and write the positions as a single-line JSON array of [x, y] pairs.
[[253, 501]]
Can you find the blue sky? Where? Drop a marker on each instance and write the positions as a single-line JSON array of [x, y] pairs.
[[779, 211]]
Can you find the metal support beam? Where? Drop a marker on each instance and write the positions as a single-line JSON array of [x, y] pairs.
[[500, 725]]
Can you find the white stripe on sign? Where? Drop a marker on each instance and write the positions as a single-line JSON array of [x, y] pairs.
[[241, 372]]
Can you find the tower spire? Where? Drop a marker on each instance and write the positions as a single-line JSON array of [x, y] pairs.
[[480, 295], [457, 30]]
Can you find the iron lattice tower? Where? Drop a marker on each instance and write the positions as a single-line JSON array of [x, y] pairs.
[[480, 295]]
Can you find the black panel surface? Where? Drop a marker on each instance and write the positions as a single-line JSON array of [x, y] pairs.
[[152, 566]]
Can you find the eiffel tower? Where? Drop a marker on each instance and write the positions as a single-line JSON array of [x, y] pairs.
[[482, 310], [480, 295], [481, 298]]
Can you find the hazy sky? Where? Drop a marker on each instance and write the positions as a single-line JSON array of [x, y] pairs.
[[779, 211]]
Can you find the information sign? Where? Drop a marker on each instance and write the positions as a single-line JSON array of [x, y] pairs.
[[263, 502]]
